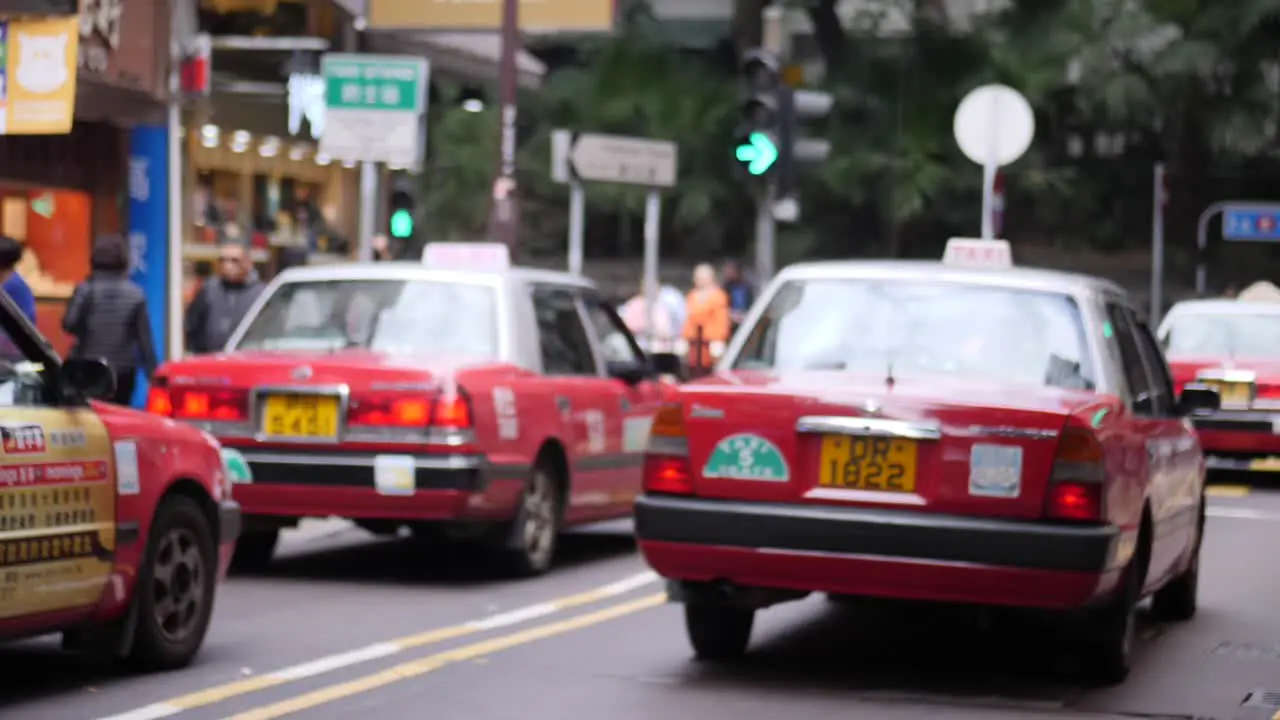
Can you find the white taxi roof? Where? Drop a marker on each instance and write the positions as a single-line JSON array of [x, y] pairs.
[[1025, 278], [409, 270]]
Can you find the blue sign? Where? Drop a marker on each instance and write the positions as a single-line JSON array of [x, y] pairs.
[[149, 232], [1257, 223]]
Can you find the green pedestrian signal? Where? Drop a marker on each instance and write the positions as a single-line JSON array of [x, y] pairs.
[[759, 152], [401, 224]]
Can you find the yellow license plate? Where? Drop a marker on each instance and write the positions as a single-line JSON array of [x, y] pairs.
[[300, 416], [868, 463], [1233, 393]]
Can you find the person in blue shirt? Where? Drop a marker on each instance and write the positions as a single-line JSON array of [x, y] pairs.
[[13, 284], [740, 292]]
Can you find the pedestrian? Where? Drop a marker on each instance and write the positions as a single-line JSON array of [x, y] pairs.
[[707, 325], [382, 251], [740, 292], [635, 315], [223, 301], [108, 317], [13, 285]]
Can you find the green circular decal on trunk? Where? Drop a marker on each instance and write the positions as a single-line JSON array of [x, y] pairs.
[[237, 468], [747, 457]]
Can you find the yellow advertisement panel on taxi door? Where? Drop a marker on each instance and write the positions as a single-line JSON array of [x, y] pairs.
[[57, 510]]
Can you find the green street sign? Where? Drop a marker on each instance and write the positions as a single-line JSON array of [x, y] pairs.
[[354, 82], [401, 224], [759, 153]]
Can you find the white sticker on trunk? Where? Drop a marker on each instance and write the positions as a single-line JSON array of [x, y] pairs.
[[995, 471], [747, 457], [128, 478], [394, 474], [504, 408], [1275, 424], [635, 433]]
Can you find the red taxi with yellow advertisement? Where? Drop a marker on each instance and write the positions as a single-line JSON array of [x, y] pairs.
[[115, 526], [1234, 346], [965, 432], [461, 397]]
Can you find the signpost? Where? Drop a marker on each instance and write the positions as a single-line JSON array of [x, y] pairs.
[[374, 108], [592, 157], [1242, 221], [993, 126]]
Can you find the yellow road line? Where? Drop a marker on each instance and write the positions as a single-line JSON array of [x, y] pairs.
[[436, 661], [1227, 491], [221, 693]]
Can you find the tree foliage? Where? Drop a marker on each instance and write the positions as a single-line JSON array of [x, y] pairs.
[[1117, 85]]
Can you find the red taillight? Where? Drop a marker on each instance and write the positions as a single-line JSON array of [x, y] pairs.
[[209, 404], [666, 462], [453, 412], [396, 410], [1075, 501], [159, 402], [668, 474], [1079, 472], [1268, 392]]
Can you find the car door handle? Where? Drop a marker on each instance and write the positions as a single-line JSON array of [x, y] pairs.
[[563, 404], [626, 404]]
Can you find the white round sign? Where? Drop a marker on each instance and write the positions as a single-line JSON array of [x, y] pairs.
[[994, 125]]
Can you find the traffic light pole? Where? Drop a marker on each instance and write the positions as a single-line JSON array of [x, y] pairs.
[[773, 39]]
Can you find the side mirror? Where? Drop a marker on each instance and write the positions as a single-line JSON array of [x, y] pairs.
[[666, 364], [630, 373], [1199, 399], [93, 379]]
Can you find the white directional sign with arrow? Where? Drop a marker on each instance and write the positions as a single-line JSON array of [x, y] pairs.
[[593, 157]]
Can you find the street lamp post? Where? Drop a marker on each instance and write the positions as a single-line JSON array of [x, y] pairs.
[[504, 214]]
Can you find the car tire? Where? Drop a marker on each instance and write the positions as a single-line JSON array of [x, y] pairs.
[[528, 544], [254, 550], [718, 632], [1106, 651], [1176, 601], [175, 590]]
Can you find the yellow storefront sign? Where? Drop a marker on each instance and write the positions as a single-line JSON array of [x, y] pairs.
[[537, 15], [38, 75], [57, 510]]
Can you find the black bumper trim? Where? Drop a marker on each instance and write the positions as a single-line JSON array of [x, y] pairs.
[[128, 532], [462, 473], [1237, 421], [230, 521], [887, 533]]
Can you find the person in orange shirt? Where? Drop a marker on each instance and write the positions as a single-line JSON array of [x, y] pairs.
[[707, 320]]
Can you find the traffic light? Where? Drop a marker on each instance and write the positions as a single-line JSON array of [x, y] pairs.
[[401, 218], [796, 107], [757, 146]]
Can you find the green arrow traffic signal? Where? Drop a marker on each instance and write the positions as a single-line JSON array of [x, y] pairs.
[[401, 224], [759, 152]]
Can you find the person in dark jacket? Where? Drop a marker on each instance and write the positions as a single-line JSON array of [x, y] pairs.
[[108, 317], [222, 301]]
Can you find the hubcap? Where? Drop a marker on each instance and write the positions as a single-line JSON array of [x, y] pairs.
[[539, 517], [177, 584]]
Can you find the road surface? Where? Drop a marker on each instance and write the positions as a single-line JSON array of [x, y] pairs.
[[344, 625]]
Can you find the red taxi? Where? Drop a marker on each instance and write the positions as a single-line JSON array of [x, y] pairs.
[[940, 432], [461, 397], [115, 526], [1233, 345]]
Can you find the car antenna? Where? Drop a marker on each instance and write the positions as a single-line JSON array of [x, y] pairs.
[[888, 378]]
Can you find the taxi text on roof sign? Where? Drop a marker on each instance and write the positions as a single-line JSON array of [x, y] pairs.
[[467, 256], [977, 253]]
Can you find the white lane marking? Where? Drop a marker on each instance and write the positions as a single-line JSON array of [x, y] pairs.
[[515, 616], [329, 663], [626, 585], [148, 712], [334, 662], [1242, 514]]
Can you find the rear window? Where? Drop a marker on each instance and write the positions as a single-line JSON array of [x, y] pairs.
[[921, 328], [1223, 335], [395, 316]]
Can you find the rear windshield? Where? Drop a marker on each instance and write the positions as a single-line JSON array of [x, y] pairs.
[[396, 316], [921, 328], [1223, 335]]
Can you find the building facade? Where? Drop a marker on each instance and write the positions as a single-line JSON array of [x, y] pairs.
[[59, 190]]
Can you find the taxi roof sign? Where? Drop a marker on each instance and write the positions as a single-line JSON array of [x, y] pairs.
[[978, 253], [467, 256]]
